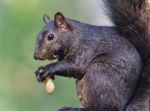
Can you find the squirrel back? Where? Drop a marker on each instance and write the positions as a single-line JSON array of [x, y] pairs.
[[132, 20]]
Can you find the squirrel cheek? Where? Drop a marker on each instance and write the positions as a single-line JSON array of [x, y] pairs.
[[44, 52]]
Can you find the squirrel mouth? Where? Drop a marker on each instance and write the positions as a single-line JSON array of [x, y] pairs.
[[53, 57]]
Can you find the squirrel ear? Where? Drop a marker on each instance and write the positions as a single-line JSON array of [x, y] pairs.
[[60, 22], [46, 19]]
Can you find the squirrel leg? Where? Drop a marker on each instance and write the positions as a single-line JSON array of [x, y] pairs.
[[73, 109], [61, 68]]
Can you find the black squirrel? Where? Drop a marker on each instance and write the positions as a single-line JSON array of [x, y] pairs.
[[111, 64]]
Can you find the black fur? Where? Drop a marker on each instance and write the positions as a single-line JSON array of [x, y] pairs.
[[111, 64]]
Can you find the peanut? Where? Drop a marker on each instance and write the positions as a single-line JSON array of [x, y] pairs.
[[49, 85]]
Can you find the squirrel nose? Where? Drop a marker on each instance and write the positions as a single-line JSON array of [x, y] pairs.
[[36, 57]]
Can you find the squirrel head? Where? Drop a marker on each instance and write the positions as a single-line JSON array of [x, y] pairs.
[[53, 38]]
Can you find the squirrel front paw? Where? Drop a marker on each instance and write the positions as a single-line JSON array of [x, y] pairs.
[[43, 72]]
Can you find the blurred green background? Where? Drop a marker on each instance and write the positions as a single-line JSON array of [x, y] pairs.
[[20, 22]]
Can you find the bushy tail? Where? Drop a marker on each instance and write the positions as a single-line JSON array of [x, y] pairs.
[[132, 19]]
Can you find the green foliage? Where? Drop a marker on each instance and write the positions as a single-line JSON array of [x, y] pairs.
[[20, 22]]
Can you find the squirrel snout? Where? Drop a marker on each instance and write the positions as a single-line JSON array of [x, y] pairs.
[[37, 57], [40, 55]]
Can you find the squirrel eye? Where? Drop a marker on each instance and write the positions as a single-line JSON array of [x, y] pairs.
[[50, 37]]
